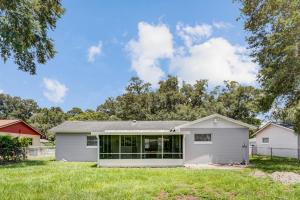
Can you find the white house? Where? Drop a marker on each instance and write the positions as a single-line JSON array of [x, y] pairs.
[[279, 138]]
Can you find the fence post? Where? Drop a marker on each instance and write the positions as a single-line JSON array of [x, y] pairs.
[[271, 153], [252, 151]]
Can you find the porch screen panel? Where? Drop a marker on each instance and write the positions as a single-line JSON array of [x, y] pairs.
[[173, 147], [152, 146], [130, 146], [109, 146]]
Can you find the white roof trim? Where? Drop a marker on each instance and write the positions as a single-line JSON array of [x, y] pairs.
[[270, 123], [135, 132], [220, 116]]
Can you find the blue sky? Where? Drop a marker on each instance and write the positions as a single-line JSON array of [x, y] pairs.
[[101, 44]]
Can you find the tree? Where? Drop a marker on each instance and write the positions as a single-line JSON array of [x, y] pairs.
[[23, 31], [240, 102], [74, 111], [46, 118], [16, 108], [137, 86], [274, 39], [90, 115]]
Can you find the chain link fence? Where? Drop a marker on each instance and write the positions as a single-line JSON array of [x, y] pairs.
[[40, 151], [271, 151], [15, 154]]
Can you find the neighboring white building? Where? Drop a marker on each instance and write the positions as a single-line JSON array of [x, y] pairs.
[[280, 138]]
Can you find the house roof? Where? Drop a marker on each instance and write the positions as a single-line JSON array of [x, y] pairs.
[[280, 125], [100, 126], [222, 117], [8, 122], [115, 126]]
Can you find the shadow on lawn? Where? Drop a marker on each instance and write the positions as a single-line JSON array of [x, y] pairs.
[[25, 163], [266, 164]]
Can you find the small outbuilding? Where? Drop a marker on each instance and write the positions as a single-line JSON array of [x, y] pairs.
[[18, 128], [278, 139]]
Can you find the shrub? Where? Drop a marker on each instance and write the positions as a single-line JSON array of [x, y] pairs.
[[13, 148]]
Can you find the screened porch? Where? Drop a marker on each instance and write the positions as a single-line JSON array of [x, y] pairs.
[[140, 146]]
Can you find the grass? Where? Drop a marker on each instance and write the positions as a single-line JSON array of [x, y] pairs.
[[48, 179], [266, 164]]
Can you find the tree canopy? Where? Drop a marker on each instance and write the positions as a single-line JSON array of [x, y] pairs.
[[24, 26], [274, 38]]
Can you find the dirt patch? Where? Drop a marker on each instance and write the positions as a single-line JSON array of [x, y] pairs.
[[186, 197], [286, 177], [215, 166], [259, 174], [282, 177], [162, 196]]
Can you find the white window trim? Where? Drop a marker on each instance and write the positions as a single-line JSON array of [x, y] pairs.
[[202, 142], [91, 147], [265, 142]]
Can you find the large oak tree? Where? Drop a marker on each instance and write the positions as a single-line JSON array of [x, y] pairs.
[[24, 26]]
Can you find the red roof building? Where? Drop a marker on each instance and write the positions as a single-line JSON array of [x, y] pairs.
[[18, 128]]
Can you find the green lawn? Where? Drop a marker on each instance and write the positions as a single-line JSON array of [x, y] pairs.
[[46, 179], [266, 164]]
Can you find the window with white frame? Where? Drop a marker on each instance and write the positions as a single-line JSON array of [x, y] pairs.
[[265, 140], [91, 141], [202, 137]]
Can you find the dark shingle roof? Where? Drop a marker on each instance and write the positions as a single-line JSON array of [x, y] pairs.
[[286, 125], [99, 126]]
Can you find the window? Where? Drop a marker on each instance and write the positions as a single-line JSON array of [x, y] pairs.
[[91, 141], [265, 140], [202, 138]]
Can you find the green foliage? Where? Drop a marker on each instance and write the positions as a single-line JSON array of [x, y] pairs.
[[89, 115], [274, 27], [74, 111], [23, 31], [12, 148], [16, 108], [45, 118], [139, 102], [172, 102]]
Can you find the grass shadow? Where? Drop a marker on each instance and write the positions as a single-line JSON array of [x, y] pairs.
[[25, 163], [266, 164]]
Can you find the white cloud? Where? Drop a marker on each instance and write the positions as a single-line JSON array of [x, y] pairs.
[[222, 25], [1, 91], [202, 56], [154, 42], [55, 91], [94, 51], [216, 60], [193, 34]]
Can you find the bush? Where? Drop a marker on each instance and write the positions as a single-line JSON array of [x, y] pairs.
[[13, 148]]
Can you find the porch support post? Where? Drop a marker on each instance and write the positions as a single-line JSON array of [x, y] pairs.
[[98, 151], [162, 146], [183, 147]]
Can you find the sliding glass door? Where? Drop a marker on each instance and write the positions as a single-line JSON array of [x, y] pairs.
[[141, 147]]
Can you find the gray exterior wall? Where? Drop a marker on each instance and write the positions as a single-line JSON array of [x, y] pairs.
[[226, 146], [72, 147]]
